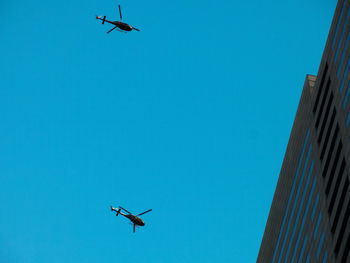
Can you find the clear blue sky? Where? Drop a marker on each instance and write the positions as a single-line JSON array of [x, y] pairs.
[[190, 117]]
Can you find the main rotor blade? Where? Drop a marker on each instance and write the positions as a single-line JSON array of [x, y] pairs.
[[111, 30], [145, 212], [120, 13], [124, 209], [134, 228]]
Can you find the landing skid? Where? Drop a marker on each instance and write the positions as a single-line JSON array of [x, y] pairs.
[[121, 31], [116, 29]]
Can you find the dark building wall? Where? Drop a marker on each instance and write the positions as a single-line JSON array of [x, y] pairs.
[[296, 222], [309, 220]]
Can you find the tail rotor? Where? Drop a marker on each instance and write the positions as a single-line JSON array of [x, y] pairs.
[[115, 210], [103, 19]]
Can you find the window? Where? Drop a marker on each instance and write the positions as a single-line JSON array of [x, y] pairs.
[[309, 198], [320, 246], [345, 221], [294, 206], [339, 209], [342, 36], [302, 250], [320, 89], [325, 118], [346, 97], [338, 24], [325, 257], [344, 75], [346, 251], [323, 102], [330, 152], [330, 126], [291, 194], [315, 206], [336, 188], [335, 163], [317, 225], [308, 258], [348, 118]]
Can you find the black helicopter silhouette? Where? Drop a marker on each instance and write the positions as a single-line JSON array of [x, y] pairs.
[[133, 218], [121, 25]]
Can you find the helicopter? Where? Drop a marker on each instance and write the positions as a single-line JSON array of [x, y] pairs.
[[123, 27], [133, 218]]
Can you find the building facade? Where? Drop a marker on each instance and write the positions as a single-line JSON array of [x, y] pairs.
[[310, 211]]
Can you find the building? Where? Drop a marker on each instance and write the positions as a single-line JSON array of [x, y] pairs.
[[309, 216]]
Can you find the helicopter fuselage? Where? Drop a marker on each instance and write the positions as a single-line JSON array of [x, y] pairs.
[[121, 25], [136, 220]]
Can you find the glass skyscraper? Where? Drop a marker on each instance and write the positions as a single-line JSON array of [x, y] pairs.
[[310, 211]]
